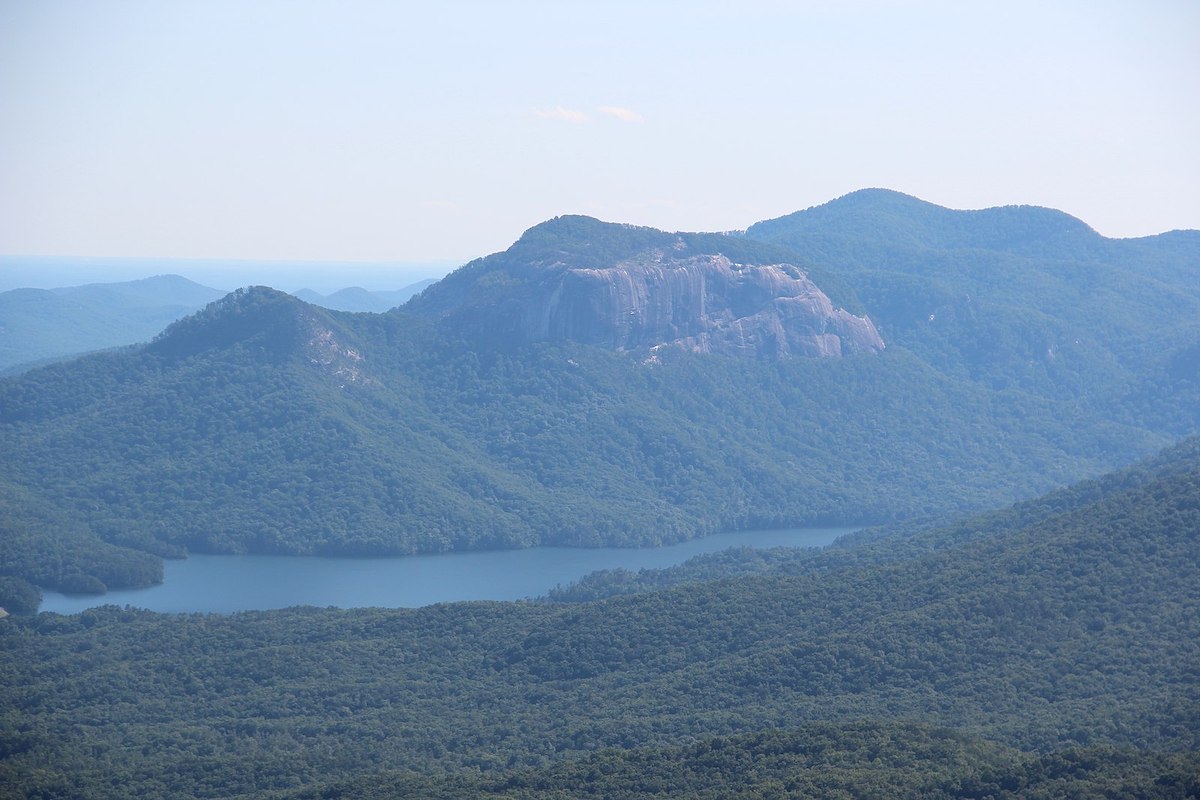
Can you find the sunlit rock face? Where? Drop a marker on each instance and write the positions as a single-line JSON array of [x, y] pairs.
[[627, 288], [706, 304]]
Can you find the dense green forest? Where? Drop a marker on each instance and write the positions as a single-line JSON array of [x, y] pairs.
[[1047, 650], [856, 760], [883, 543], [1024, 351], [243, 445], [1020, 297]]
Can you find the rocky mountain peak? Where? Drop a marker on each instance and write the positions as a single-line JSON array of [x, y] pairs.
[[628, 288], [277, 325], [704, 303]]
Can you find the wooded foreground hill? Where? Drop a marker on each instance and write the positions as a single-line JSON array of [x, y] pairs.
[[1048, 650]]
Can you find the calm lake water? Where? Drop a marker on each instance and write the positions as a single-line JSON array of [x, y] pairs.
[[224, 584]]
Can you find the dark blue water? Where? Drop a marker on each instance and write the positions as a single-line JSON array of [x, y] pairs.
[[224, 584]]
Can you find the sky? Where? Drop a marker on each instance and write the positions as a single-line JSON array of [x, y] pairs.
[[405, 134]]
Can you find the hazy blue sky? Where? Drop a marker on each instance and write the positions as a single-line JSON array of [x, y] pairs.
[[402, 131]]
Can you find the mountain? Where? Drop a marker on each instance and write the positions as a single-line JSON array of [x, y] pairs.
[[869, 218], [626, 288], [913, 538], [43, 324], [38, 326], [1019, 297], [355, 298], [520, 402], [1051, 653]]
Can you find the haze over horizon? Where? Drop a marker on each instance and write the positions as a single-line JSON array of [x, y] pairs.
[[373, 132]]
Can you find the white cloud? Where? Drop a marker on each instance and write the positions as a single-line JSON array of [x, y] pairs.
[[564, 114], [623, 114], [446, 205]]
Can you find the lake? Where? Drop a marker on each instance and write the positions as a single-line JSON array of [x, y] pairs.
[[225, 584]]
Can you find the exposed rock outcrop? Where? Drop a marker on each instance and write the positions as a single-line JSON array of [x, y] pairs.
[[704, 303], [628, 288], [276, 324]]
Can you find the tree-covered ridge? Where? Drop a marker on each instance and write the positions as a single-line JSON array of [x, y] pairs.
[[1025, 351], [1019, 297], [266, 425], [871, 216], [889, 542], [1062, 653]]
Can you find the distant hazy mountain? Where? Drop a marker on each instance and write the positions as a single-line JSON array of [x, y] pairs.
[[51, 271], [42, 324], [38, 326], [516, 402], [355, 298]]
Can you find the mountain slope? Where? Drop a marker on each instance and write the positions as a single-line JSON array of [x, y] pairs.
[[1019, 297], [264, 424], [869, 217], [1080, 630], [881, 544], [267, 425]]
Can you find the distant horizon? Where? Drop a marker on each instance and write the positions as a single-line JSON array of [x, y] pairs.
[[23, 271], [314, 273]]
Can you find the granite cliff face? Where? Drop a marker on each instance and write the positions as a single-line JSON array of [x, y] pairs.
[[707, 304], [627, 288]]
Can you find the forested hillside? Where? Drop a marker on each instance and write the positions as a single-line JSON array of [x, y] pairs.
[[267, 425], [1061, 653], [895, 541], [264, 424], [1020, 297]]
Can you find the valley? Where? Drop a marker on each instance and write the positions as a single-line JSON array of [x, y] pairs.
[[1045, 648], [599, 401], [266, 425], [1003, 402]]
